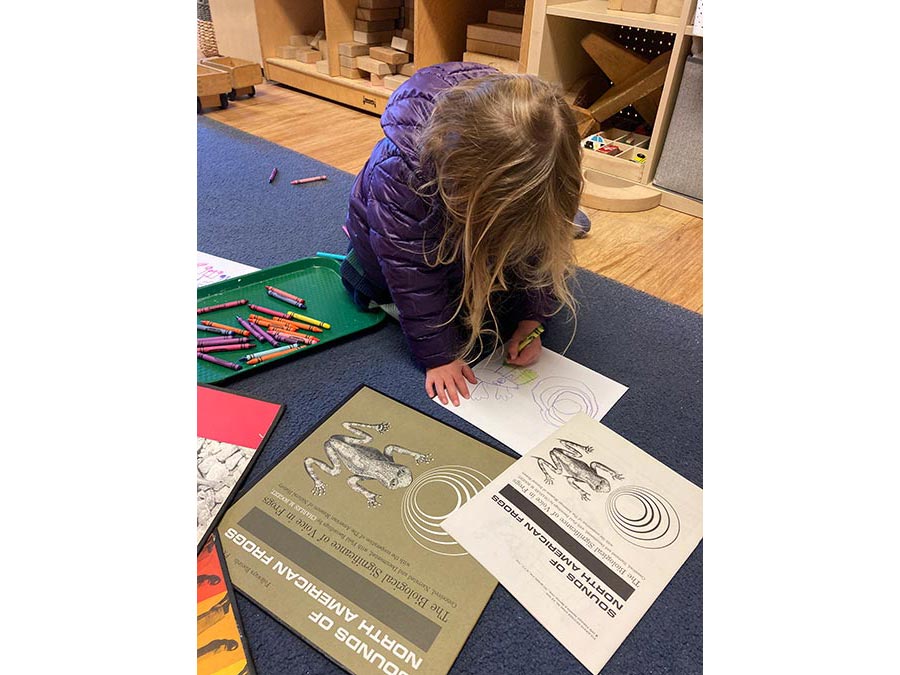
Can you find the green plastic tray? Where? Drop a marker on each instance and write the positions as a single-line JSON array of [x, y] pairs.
[[316, 280]]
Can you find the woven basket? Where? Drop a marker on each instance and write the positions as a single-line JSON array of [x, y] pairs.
[[206, 39]]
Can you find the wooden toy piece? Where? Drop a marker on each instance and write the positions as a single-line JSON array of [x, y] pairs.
[[348, 61], [299, 40], [323, 47], [501, 64], [640, 6], [500, 17], [212, 88], [353, 49], [370, 65], [379, 4], [394, 81], [286, 52], [493, 48], [499, 34], [669, 7], [388, 55], [587, 125], [244, 74], [373, 26], [407, 69], [314, 41], [614, 4], [619, 63], [402, 45], [310, 56], [406, 34], [352, 73], [608, 193], [322, 67], [377, 14], [376, 80], [377, 38], [632, 88]]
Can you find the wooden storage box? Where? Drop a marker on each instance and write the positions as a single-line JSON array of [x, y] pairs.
[[244, 74], [622, 165], [213, 87]]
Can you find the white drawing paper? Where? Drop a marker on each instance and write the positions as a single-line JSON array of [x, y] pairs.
[[211, 268], [517, 405], [585, 531]]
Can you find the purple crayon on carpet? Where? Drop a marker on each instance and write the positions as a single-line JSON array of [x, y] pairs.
[[257, 333], [220, 331], [290, 301], [218, 361]]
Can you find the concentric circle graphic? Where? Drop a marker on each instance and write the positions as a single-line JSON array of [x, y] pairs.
[[431, 498], [642, 517], [560, 398]]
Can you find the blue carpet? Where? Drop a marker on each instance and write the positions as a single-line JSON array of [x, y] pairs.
[[653, 347]]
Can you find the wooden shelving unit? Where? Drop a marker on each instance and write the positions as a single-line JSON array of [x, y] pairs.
[[439, 36], [555, 54]]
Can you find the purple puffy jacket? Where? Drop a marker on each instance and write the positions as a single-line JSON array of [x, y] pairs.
[[391, 226]]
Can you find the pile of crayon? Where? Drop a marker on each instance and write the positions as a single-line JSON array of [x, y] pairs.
[[278, 332]]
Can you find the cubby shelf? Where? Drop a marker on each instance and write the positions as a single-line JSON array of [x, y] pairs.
[[596, 10]]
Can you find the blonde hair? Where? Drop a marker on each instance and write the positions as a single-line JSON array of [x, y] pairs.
[[506, 157]]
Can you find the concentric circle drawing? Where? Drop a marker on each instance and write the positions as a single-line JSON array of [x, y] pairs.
[[431, 498], [642, 517], [560, 398]]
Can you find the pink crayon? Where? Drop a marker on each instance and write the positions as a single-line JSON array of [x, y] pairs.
[[224, 305], [217, 342], [225, 348], [270, 312], [218, 361]]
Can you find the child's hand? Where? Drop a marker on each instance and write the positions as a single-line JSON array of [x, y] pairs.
[[449, 381], [528, 355]]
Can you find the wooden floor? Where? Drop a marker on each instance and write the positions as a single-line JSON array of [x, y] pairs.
[[659, 251]]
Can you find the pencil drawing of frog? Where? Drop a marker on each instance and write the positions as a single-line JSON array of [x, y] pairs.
[[565, 462], [363, 462]]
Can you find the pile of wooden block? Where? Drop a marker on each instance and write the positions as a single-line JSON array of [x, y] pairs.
[[382, 47], [497, 42], [306, 49], [666, 7]]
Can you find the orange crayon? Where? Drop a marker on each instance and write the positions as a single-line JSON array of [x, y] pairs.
[[269, 357]]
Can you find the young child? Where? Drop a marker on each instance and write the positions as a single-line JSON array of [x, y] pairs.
[[463, 216]]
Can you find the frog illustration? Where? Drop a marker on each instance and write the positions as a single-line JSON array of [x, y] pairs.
[[363, 462], [565, 462]]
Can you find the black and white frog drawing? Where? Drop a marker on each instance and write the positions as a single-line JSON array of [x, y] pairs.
[[363, 462], [564, 461]]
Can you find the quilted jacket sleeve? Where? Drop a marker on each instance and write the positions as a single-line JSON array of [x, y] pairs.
[[423, 294]]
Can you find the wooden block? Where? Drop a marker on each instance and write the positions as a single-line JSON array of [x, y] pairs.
[[402, 45], [352, 73], [587, 125], [500, 34], [373, 26], [299, 40], [377, 38], [314, 41], [500, 17], [614, 4], [493, 48], [618, 63], [632, 88], [388, 55], [348, 61], [406, 34], [377, 14], [640, 6], [376, 80], [669, 7], [608, 193], [380, 4], [370, 65], [353, 49], [323, 47], [407, 69], [310, 56], [501, 64], [322, 67], [394, 81], [286, 52]]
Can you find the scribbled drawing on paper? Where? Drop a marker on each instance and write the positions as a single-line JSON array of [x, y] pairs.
[[500, 381], [559, 399]]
